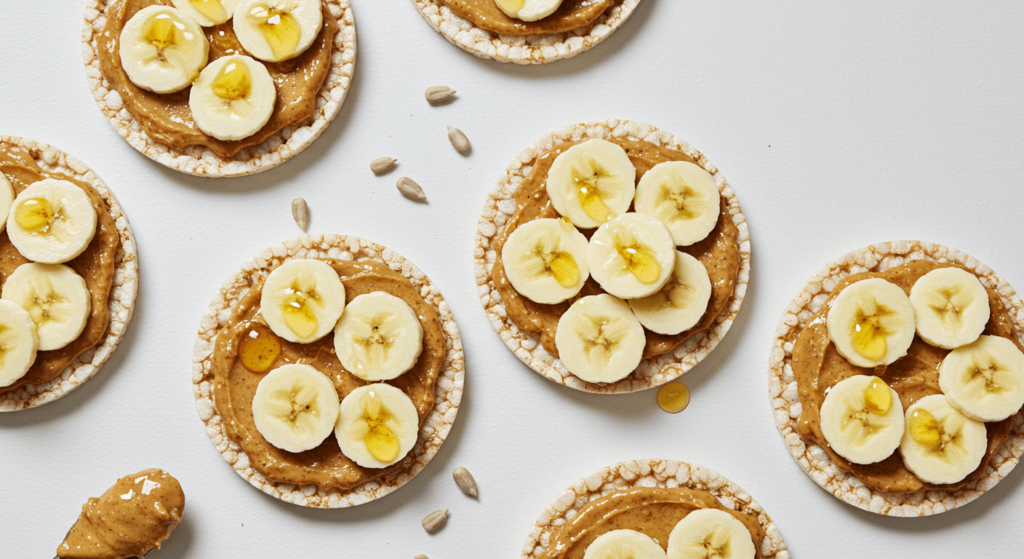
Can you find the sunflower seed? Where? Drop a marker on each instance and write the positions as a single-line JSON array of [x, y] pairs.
[[300, 211], [458, 139], [420, 556], [465, 481], [439, 93], [382, 165], [410, 189], [435, 520]]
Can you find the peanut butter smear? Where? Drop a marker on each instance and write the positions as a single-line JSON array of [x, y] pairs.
[[235, 386], [97, 265], [130, 519], [168, 119], [719, 253], [652, 511], [818, 367], [570, 16]]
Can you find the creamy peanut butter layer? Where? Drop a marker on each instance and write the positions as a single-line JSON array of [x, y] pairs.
[[570, 16]]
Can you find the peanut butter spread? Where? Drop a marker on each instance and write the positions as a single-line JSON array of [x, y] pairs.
[[168, 119], [96, 265], [128, 520], [235, 386], [652, 511], [570, 16], [818, 367], [719, 253]]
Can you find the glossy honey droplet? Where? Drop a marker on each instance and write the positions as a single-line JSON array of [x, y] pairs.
[[869, 334], [259, 349], [34, 214], [160, 31], [298, 316], [673, 397], [564, 268], [279, 28], [212, 9], [877, 397], [590, 195], [233, 82], [380, 440], [924, 428], [641, 262]]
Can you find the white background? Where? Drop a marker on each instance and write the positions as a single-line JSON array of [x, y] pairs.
[[838, 125]]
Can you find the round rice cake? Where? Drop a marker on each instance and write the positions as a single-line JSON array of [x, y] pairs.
[[500, 206], [667, 474], [785, 400], [124, 287], [200, 160], [448, 389], [522, 49]]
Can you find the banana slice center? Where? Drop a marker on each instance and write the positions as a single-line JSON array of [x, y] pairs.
[[716, 544], [586, 178], [380, 440], [679, 201], [279, 28], [381, 336], [296, 406], [949, 303], [233, 82], [36, 215], [877, 397], [601, 335], [297, 309], [679, 294], [924, 428], [163, 33], [547, 258], [212, 9], [981, 375], [46, 306], [869, 331], [639, 260]]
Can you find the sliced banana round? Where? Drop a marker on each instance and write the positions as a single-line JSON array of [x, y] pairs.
[[950, 307], [18, 342], [162, 50], [302, 300], [624, 544], [378, 425], [631, 256], [862, 419], [56, 298], [599, 339], [871, 322], [984, 380], [295, 407], [592, 182], [941, 445], [207, 12], [681, 303], [378, 337], [6, 199], [529, 10], [52, 221], [683, 196], [276, 30], [710, 534], [233, 98], [546, 260]]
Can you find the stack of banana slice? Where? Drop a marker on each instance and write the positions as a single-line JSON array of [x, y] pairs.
[[631, 255], [942, 438], [44, 305], [164, 49], [377, 337], [701, 534]]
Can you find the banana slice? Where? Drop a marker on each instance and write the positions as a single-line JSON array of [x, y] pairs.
[[683, 196], [18, 342], [302, 300], [529, 10], [632, 256], [233, 98], [55, 297], [378, 425], [710, 534], [941, 445], [52, 221], [6, 199], [871, 322], [592, 182], [207, 12], [624, 544], [546, 260], [295, 407], [378, 337], [862, 419], [276, 30], [984, 380], [681, 302], [950, 307], [599, 339], [162, 50]]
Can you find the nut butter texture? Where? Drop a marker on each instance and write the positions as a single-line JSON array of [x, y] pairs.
[[652, 511], [235, 386], [817, 367], [128, 520], [168, 119], [97, 265], [719, 253], [570, 16]]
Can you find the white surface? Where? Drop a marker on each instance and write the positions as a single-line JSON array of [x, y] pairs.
[[837, 125]]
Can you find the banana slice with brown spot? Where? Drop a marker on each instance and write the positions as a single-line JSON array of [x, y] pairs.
[[162, 50], [871, 322], [950, 307], [632, 256], [683, 196], [545, 260], [378, 337], [681, 303], [56, 298], [941, 445], [295, 407], [599, 339], [591, 183], [984, 380], [378, 425], [302, 300], [276, 30]]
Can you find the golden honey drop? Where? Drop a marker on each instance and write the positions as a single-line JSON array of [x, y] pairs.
[[924, 428], [34, 214], [212, 9], [640, 262], [233, 82], [673, 397], [564, 268], [160, 32], [259, 349], [380, 441], [279, 28], [298, 316], [877, 397], [869, 335]]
